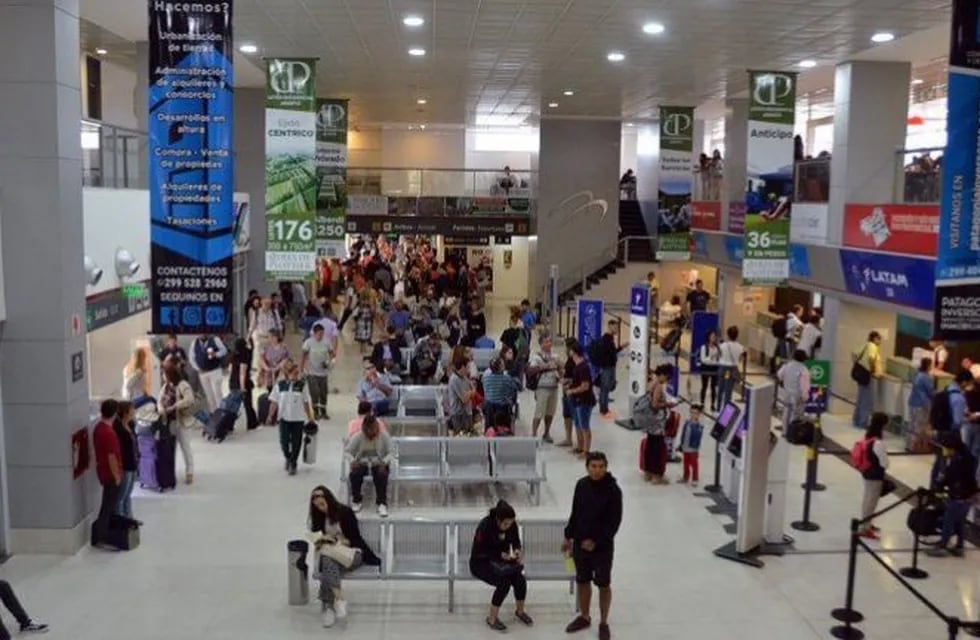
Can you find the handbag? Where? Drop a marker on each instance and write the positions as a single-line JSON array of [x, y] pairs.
[[859, 373], [341, 554], [506, 569]]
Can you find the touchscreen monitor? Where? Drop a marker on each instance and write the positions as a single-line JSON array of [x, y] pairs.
[[737, 437], [726, 418]]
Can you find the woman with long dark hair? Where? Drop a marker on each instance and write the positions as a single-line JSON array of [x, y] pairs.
[[333, 528], [497, 559], [709, 356]]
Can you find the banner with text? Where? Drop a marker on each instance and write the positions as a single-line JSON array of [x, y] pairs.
[[957, 304], [290, 169], [706, 216], [898, 228], [331, 170], [772, 112], [676, 181], [191, 174], [639, 340]]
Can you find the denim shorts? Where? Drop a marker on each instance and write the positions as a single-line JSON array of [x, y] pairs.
[[581, 415], [567, 407]]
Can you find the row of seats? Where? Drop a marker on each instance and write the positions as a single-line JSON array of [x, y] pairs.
[[427, 549], [454, 461], [481, 357]]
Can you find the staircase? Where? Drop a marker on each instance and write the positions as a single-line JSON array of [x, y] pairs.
[[632, 225], [598, 276]]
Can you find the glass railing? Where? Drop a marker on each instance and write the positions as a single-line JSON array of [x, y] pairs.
[[812, 180], [416, 183], [919, 175], [113, 157]]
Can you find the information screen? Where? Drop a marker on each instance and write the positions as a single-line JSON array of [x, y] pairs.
[[726, 418], [737, 437]]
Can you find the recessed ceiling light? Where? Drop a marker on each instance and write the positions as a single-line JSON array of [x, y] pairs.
[[248, 48], [630, 124], [413, 21], [615, 56], [917, 81], [100, 51], [422, 127], [883, 36], [807, 64], [568, 92], [654, 28], [552, 105], [416, 51], [421, 101]]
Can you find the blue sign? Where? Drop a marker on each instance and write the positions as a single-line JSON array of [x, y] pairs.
[[191, 170], [799, 261], [702, 324], [590, 314], [735, 248], [700, 244], [640, 300], [909, 282]]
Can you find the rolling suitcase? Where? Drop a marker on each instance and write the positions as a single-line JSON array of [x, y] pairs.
[[146, 444], [166, 462], [220, 424], [643, 454], [264, 408], [122, 535]]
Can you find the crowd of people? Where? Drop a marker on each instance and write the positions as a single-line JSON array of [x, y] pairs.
[[923, 178]]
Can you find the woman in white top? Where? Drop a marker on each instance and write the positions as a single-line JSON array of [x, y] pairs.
[[810, 335], [136, 375], [794, 378], [730, 361], [709, 356]]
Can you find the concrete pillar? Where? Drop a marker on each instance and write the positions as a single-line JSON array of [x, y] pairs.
[[870, 121], [578, 197], [42, 243], [250, 176], [736, 151]]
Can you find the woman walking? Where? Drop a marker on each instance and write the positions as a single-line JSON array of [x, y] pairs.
[[177, 402]]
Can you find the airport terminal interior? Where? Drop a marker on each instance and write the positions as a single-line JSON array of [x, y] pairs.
[[436, 257]]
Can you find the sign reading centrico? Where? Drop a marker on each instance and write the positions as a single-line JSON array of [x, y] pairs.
[[513, 225]]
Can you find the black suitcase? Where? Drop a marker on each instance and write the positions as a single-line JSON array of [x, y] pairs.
[[671, 340], [264, 407], [220, 424], [121, 535], [166, 462]]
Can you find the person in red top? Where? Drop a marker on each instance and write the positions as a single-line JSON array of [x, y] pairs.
[[108, 466]]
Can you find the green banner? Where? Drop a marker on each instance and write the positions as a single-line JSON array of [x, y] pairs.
[[772, 113], [676, 179], [331, 168], [290, 169]]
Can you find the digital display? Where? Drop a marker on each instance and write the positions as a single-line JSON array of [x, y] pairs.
[[737, 437], [726, 417]]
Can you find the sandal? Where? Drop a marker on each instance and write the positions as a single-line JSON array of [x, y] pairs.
[[496, 625], [523, 617]]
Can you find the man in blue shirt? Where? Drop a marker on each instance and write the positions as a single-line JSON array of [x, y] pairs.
[[375, 387], [528, 319]]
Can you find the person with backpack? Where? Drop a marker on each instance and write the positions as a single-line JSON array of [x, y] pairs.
[[542, 379], [794, 378], [866, 366], [516, 337], [948, 419], [870, 457], [959, 479]]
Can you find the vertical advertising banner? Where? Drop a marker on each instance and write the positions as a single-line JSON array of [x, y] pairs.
[[590, 314], [290, 169], [191, 173], [676, 181], [703, 323], [331, 173], [957, 306], [772, 112], [639, 340]]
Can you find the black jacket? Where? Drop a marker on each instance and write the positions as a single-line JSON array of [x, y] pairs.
[[605, 352], [377, 355], [597, 511], [960, 476], [489, 542], [348, 526]]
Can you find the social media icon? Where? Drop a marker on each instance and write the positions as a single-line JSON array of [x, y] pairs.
[[215, 316], [192, 316], [169, 316]]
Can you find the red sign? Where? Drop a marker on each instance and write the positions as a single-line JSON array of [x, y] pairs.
[[706, 216], [899, 228]]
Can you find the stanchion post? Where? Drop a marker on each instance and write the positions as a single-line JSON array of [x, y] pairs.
[[847, 614], [953, 626], [811, 476], [914, 572], [811, 481], [716, 487]]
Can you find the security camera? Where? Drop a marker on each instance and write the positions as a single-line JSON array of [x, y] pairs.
[[126, 264], [93, 272]]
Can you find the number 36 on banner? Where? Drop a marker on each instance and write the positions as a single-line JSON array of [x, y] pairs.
[[288, 230], [758, 239]]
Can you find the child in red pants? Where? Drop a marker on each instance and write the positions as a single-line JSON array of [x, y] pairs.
[[691, 444]]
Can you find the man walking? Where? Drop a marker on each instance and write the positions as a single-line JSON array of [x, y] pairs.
[[290, 402], [604, 357], [108, 467], [597, 511]]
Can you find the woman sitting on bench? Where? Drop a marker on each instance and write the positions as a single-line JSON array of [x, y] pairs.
[[340, 548], [497, 559]]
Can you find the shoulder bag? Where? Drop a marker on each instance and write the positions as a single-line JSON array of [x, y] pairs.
[[859, 373], [342, 554]]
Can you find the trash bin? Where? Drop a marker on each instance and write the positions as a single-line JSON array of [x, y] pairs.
[[309, 442], [298, 579]]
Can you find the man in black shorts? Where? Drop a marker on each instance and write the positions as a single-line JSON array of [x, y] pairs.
[[597, 511]]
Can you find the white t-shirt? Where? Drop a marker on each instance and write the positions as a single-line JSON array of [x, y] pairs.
[[793, 324], [330, 331], [731, 354], [809, 337], [292, 403]]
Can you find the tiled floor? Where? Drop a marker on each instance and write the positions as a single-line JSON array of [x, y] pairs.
[[212, 560]]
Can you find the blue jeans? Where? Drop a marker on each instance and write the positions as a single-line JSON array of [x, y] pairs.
[[582, 414], [953, 521], [607, 380], [862, 408], [125, 506]]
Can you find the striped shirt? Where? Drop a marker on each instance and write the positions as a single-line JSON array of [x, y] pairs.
[[500, 388]]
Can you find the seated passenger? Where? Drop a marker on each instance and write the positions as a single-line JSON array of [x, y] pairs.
[[370, 450], [386, 354], [426, 359], [497, 559], [375, 387], [333, 528], [354, 426]]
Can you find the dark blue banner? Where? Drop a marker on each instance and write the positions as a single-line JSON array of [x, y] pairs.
[[590, 329], [702, 324], [909, 282], [957, 300], [191, 171]]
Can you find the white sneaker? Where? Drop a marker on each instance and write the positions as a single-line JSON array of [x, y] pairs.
[[340, 606], [356, 507], [328, 617], [383, 510]]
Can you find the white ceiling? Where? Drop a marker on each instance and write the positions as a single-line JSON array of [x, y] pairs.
[[511, 57]]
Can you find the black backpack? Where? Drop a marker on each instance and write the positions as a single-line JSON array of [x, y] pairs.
[[941, 412], [779, 328]]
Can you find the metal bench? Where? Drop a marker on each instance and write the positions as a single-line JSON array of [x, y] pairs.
[[374, 535], [516, 460], [467, 462], [417, 460]]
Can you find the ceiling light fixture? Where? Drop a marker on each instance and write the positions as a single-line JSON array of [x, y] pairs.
[[552, 105], [917, 81], [416, 51], [422, 127], [654, 28], [248, 48], [883, 36], [568, 92], [100, 51], [413, 21], [807, 64], [421, 101], [615, 56]]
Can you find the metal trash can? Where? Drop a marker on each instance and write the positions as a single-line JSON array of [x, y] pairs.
[[298, 578], [309, 442]]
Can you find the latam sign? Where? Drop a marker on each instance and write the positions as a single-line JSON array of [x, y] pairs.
[[896, 228]]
